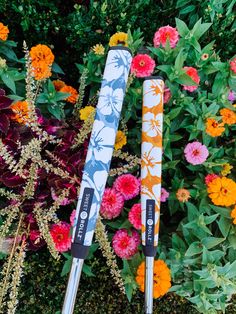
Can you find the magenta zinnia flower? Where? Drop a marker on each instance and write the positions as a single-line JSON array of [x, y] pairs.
[[125, 245], [164, 195], [210, 177], [128, 185], [196, 153], [135, 216], [164, 33], [142, 65], [112, 203], [60, 234]]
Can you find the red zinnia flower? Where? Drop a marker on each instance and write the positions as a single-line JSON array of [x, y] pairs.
[[61, 236], [142, 65], [112, 203], [192, 72], [128, 185]]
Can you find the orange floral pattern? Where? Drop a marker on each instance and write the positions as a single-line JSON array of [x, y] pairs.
[[4, 31], [222, 191], [153, 91], [161, 278]]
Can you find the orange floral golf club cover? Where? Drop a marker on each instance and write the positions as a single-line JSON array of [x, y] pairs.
[[152, 122]]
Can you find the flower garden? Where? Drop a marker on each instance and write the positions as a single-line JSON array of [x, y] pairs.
[[51, 66]]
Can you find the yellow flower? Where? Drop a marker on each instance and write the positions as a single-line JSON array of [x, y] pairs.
[[86, 112], [226, 169], [121, 140], [98, 49], [119, 38]]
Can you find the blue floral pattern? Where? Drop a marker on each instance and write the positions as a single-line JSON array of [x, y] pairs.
[[103, 134]]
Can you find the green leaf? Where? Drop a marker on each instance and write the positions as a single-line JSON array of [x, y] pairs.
[[66, 267], [210, 242], [185, 79], [56, 111], [7, 79], [174, 113], [187, 9], [192, 211], [224, 226], [165, 68], [179, 61], [225, 212], [199, 29], [87, 270], [194, 248], [61, 96], [57, 69], [181, 27]]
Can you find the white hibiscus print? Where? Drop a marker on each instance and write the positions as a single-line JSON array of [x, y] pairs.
[[152, 125], [101, 142], [151, 160], [153, 95], [110, 101]]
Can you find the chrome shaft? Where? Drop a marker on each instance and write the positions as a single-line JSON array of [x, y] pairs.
[[72, 286], [149, 285]]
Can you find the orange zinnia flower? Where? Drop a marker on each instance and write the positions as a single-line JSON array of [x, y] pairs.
[[228, 116], [21, 112], [42, 53], [183, 195], [233, 215], [4, 31], [214, 128], [58, 84], [222, 191], [41, 70], [161, 278], [72, 91]]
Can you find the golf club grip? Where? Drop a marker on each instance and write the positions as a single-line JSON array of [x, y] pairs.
[[151, 158], [100, 149]]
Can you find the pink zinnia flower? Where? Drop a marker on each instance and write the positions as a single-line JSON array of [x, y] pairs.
[[112, 203], [128, 185], [192, 72], [164, 33], [135, 216], [164, 195], [72, 218], [125, 245], [233, 65], [210, 177], [167, 95], [142, 65], [60, 234], [196, 153]]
